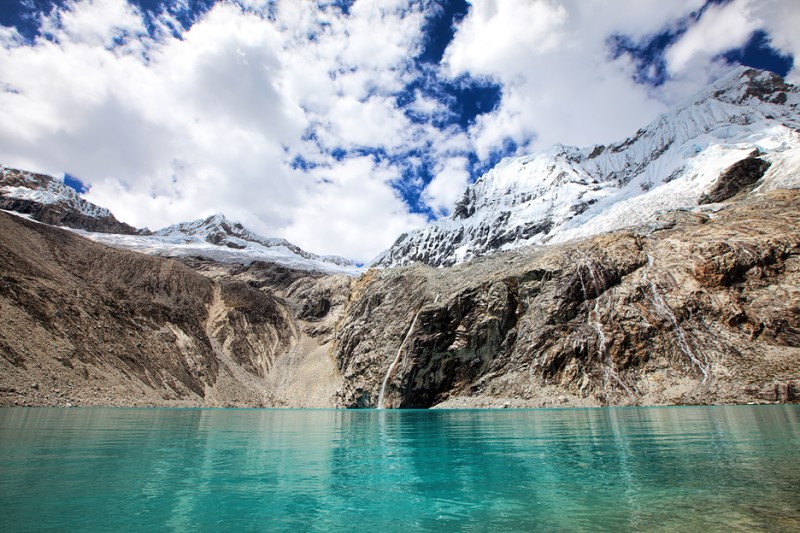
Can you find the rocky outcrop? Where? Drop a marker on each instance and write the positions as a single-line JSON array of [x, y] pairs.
[[740, 177], [704, 311], [51, 202]]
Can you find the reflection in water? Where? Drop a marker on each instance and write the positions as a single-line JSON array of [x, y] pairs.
[[665, 469]]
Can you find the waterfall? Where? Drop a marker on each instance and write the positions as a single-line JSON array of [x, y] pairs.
[[396, 360], [583, 285], [665, 311], [608, 369], [599, 283]]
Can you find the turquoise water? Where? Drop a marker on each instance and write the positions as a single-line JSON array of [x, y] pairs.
[[659, 469]]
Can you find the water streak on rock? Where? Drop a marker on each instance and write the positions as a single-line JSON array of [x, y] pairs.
[[396, 360]]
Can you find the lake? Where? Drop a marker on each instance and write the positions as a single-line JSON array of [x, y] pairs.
[[617, 469]]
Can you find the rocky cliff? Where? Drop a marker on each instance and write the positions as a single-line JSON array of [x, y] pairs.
[[702, 308]]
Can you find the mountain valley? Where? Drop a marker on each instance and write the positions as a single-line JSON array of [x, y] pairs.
[[661, 270]]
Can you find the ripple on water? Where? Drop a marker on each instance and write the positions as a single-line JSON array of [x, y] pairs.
[[665, 469]]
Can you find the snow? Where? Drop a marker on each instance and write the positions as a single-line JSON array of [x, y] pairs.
[[560, 194], [49, 192], [191, 239], [215, 238], [568, 192]]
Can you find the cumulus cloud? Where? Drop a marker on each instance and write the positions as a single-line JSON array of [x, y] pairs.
[[720, 28], [354, 193], [497, 36], [551, 58], [322, 126], [94, 22], [782, 19], [447, 186]]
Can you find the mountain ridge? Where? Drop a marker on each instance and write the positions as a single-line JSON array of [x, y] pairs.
[[52, 202], [567, 192], [48, 200], [222, 231]]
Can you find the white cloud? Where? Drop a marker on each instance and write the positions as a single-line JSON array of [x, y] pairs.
[[721, 28], [561, 84], [353, 207], [168, 128], [94, 22], [426, 107], [377, 120], [552, 60], [447, 186], [496, 35], [782, 20]]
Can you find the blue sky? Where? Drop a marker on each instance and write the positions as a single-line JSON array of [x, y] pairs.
[[338, 124]]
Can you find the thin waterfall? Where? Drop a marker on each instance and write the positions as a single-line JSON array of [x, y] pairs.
[[396, 360], [608, 363], [665, 311]]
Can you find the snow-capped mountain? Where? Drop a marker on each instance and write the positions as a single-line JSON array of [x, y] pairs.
[[221, 239], [48, 200], [219, 230], [742, 132]]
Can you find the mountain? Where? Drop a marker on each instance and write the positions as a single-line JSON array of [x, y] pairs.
[[220, 231], [86, 324], [220, 239], [50, 201], [740, 133], [705, 309], [701, 310], [671, 275]]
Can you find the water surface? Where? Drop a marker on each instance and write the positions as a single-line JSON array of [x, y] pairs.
[[643, 469]]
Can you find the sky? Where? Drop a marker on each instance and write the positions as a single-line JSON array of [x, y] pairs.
[[339, 125]]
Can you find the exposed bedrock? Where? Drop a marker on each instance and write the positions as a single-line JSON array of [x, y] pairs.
[[706, 311]]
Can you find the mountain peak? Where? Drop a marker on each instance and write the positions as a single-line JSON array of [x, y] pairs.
[[567, 192], [219, 219], [743, 84], [219, 230]]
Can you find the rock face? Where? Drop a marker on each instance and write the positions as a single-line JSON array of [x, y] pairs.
[[707, 311], [50, 201], [90, 325], [740, 177], [721, 141]]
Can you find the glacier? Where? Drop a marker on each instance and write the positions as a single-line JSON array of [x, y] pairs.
[[219, 239]]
